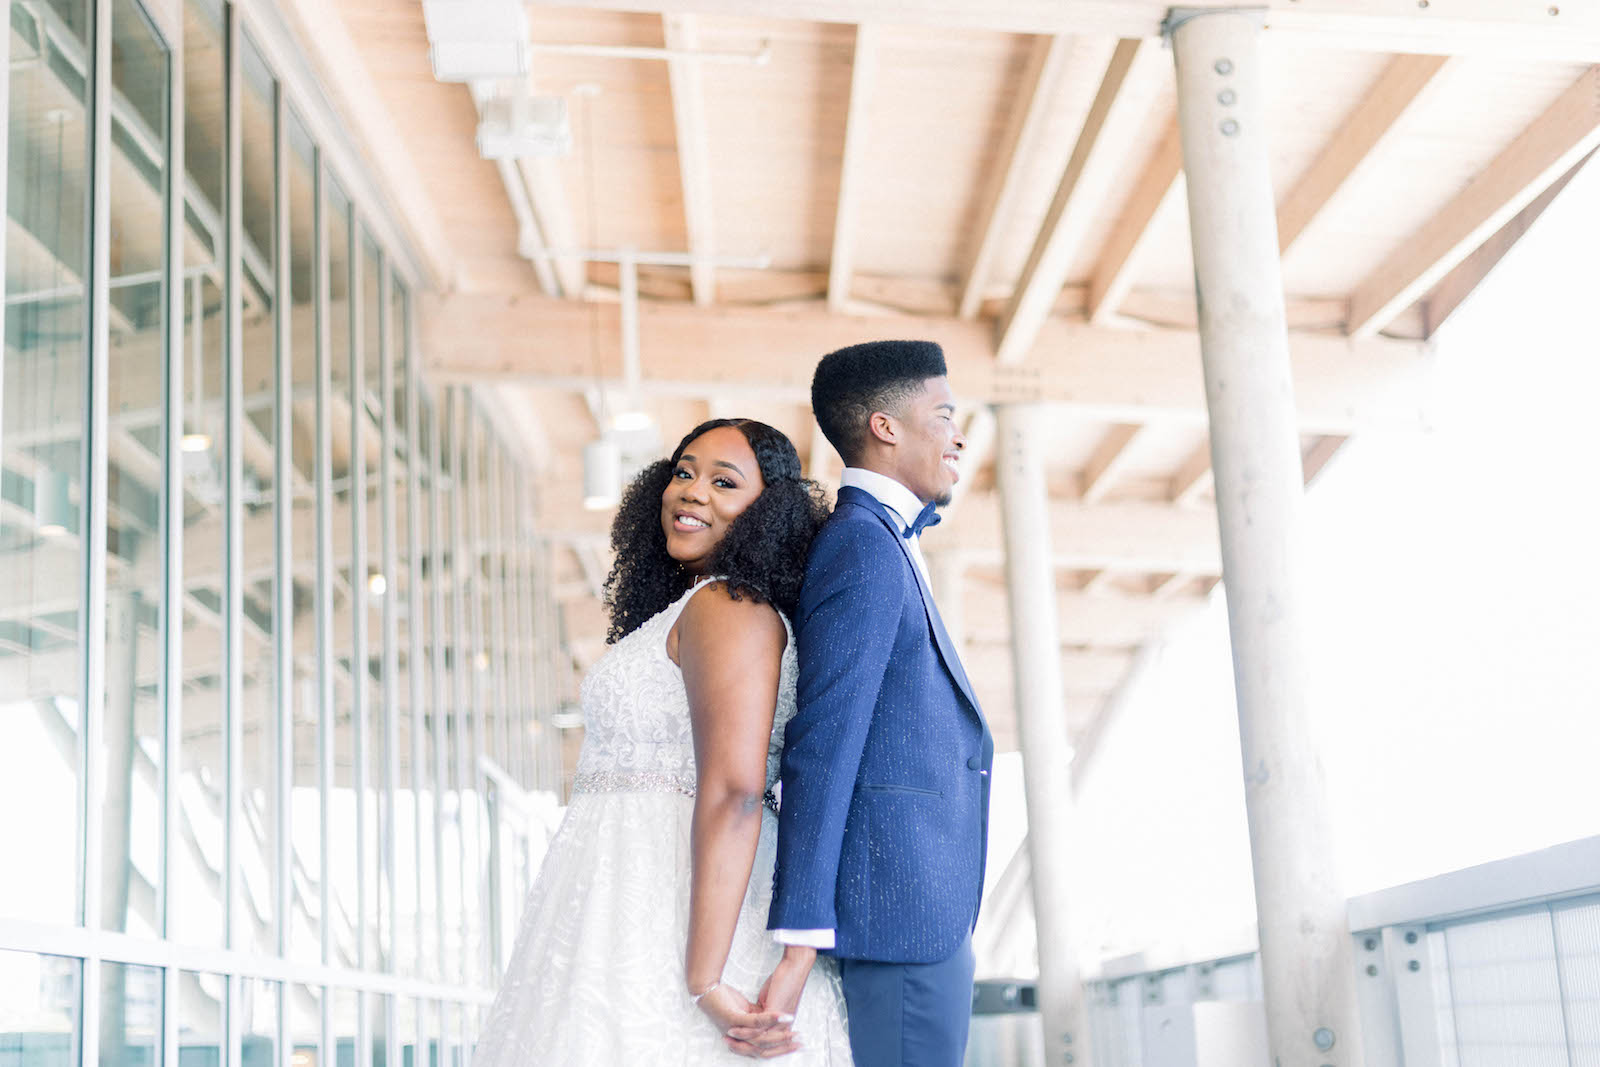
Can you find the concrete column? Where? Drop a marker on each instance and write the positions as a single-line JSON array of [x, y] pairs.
[[1041, 726], [1305, 944]]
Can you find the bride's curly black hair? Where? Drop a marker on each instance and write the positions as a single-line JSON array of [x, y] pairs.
[[762, 556]]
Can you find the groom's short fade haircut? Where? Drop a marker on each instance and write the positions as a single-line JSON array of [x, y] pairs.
[[851, 383]]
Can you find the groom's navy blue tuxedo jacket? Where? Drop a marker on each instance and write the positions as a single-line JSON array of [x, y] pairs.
[[885, 812]]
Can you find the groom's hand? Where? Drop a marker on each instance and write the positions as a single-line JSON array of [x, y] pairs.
[[747, 1028], [781, 994]]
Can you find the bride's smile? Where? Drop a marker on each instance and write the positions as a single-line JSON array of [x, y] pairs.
[[711, 485]]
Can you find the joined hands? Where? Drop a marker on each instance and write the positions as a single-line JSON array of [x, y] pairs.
[[763, 1030]]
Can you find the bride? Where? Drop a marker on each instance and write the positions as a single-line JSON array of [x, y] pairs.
[[644, 938]]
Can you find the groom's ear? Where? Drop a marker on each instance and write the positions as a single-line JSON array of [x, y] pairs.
[[882, 426]]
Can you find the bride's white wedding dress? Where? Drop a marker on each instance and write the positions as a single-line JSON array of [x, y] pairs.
[[597, 975]]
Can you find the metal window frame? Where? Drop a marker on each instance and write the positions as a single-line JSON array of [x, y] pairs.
[[494, 548], [485, 832], [283, 547], [233, 506], [463, 667], [555, 683], [357, 477], [172, 510], [326, 697], [435, 414], [387, 823], [283, 52], [489, 548], [91, 517], [417, 622], [283, 496], [481, 465], [516, 639], [358, 617], [106, 946]]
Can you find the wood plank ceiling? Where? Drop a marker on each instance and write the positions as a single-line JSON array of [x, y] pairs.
[[999, 179]]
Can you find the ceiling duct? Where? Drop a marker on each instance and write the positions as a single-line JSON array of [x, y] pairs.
[[477, 40]]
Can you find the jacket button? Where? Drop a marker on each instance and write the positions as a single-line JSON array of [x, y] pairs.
[[974, 763]]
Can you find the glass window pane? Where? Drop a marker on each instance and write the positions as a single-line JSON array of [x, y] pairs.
[[39, 1009], [305, 923], [378, 831], [478, 823], [130, 1015], [408, 738], [494, 590], [340, 824], [455, 1053], [201, 1035], [197, 912], [425, 712], [258, 1015], [132, 756], [41, 455], [431, 1014], [304, 1025], [407, 1019], [257, 848], [378, 1007], [448, 692], [344, 1017]]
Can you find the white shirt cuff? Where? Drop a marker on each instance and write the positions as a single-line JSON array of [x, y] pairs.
[[818, 939]]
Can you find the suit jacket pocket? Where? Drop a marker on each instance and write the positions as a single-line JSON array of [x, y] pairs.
[[911, 789]]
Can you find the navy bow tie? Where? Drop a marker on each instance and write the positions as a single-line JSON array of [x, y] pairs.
[[928, 517]]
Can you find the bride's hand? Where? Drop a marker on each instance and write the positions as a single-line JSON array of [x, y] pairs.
[[763, 1034]]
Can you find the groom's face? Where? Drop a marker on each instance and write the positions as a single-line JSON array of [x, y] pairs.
[[928, 453]]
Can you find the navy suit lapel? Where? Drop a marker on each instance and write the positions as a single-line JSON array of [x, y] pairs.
[[941, 638]]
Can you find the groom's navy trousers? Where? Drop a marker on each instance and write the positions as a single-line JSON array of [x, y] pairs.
[[884, 820]]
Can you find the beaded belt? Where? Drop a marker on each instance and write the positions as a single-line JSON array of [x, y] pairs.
[[646, 782]]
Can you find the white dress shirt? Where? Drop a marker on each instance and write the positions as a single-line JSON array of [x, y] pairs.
[[903, 506]]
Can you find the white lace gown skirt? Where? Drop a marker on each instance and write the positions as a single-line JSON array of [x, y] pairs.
[[596, 977]]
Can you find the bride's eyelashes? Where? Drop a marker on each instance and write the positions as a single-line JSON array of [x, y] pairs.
[[720, 482]]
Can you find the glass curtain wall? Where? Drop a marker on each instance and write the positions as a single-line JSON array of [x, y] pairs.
[[274, 657]]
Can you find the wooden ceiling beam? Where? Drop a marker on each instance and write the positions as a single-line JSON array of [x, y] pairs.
[[1047, 59], [1087, 620], [1158, 181], [1123, 536], [1318, 455], [1464, 280], [1566, 32], [1193, 477], [1341, 385], [857, 133], [681, 36], [1071, 210], [1114, 273], [1110, 458], [1395, 90], [1567, 131]]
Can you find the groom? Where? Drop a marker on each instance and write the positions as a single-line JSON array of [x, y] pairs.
[[885, 810]]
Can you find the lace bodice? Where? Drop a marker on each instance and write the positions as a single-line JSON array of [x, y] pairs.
[[636, 714]]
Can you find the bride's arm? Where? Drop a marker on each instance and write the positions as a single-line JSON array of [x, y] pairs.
[[731, 653]]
